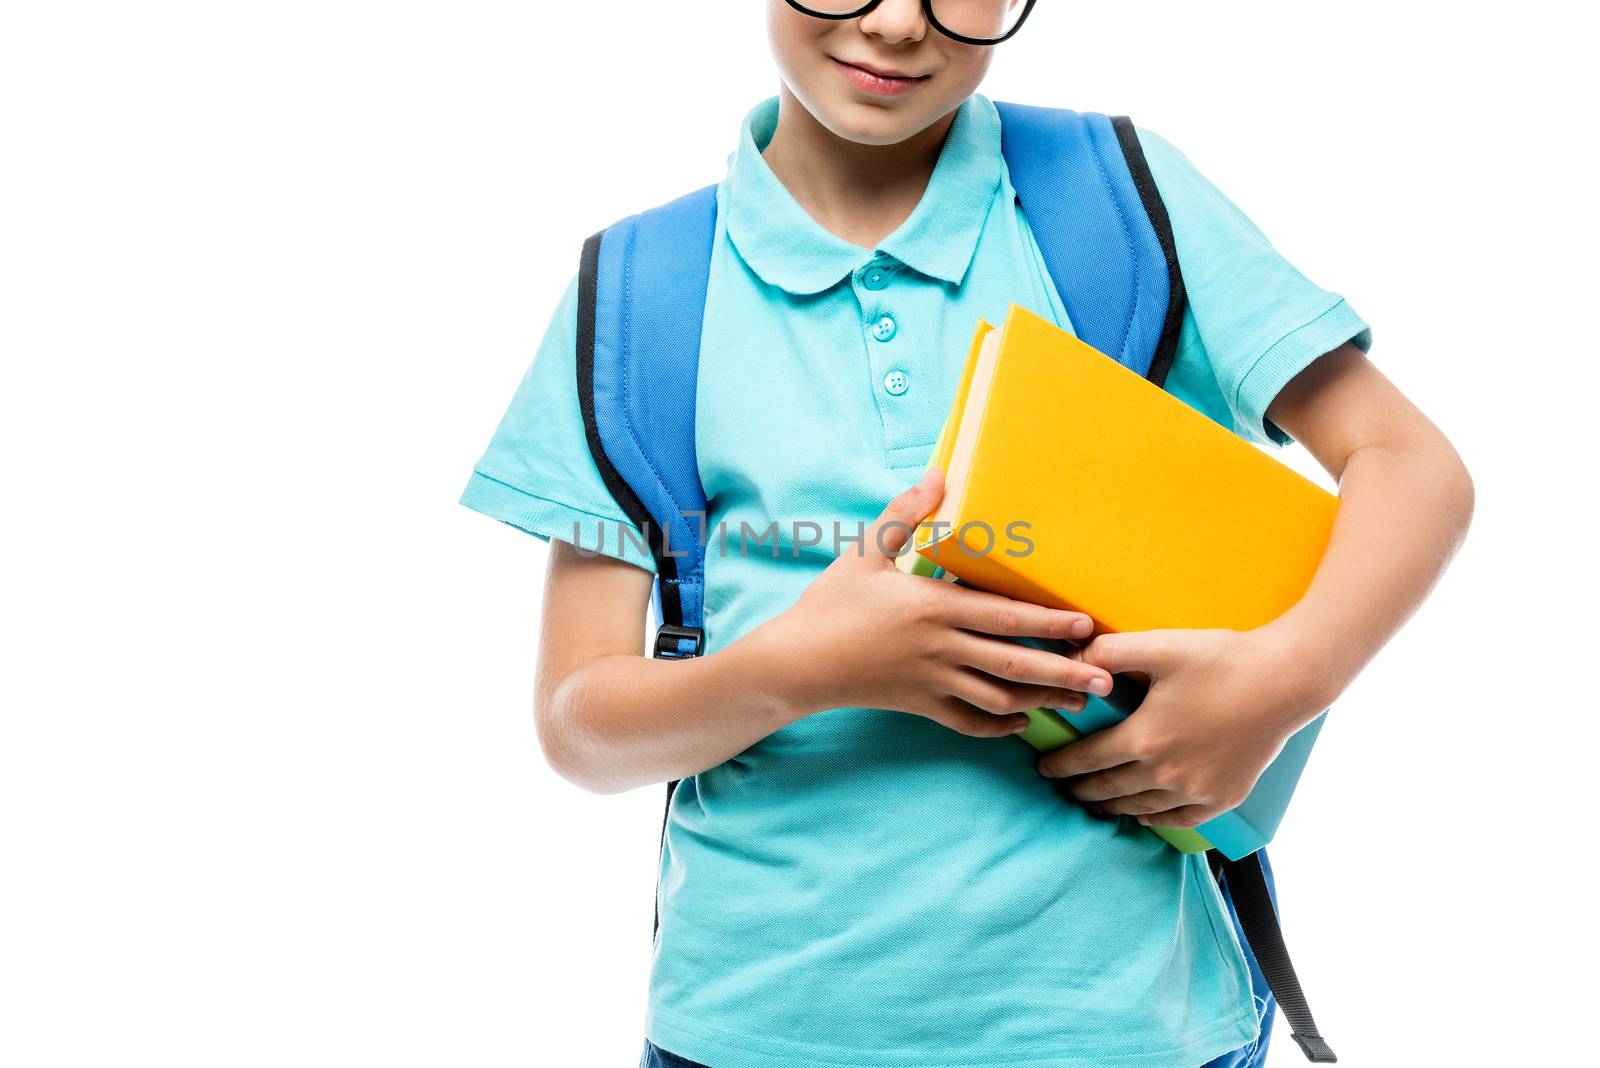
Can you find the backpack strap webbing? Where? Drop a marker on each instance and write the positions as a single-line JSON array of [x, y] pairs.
[[1092, 205], [1255, 907], [641, 304]]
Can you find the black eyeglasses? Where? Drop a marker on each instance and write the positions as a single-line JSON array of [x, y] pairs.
[[978, 22]]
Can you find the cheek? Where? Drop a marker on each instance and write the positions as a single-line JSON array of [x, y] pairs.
[[963, 72], [795, 38], [968, 63]]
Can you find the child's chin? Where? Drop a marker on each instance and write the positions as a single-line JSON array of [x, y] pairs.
[[886, 121]]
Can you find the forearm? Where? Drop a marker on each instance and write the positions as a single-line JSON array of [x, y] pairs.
[[1404, 510], [610, 720], [620, 721]]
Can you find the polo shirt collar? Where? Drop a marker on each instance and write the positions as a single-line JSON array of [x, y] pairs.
[[787, 248]]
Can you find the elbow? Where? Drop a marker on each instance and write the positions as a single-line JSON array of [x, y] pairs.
[[567, 744], [1443, 485], [1463, 495]]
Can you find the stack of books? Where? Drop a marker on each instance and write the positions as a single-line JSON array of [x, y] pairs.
[[1072, 482]]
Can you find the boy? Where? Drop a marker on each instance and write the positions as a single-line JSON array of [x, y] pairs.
[[859, 868]]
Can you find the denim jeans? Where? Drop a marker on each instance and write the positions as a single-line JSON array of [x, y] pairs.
[[656, 1057], [1252, 1056]]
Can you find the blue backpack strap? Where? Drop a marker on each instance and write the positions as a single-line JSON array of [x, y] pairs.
[[641, 301], [1087, 193]]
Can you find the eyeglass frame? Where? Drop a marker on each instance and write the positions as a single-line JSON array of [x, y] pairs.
[[927, 11]]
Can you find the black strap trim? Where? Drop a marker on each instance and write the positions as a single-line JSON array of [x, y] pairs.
[[1150, 196], [661, 851], [621, 492], [1252, 901]]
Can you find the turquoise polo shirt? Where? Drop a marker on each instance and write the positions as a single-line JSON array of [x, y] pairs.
[[865, 888]]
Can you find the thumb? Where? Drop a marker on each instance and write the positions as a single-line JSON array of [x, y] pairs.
[[1150, 652], [894, 526]]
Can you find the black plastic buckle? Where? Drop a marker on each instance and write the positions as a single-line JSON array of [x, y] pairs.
[[668, 637]]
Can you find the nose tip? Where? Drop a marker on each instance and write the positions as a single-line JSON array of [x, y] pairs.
[[894, 21]]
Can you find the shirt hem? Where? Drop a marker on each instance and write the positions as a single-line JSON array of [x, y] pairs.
[[724, 1049]]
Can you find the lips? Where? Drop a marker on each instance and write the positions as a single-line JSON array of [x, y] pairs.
[[882, 83], [883, 72]]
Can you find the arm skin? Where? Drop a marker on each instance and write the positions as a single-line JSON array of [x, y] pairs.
[[610, 719], [1222, 702], [1406, 501]]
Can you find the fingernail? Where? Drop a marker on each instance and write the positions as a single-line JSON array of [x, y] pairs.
[[1082, 628], [1100, 686], [1018, 728], [928, 475], [1144, 820]]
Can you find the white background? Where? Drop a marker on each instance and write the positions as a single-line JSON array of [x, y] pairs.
[[269, 786]]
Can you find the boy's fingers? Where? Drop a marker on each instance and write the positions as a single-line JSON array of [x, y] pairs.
[[993, 696], [1064, 701], [1147, 651], [1140, 804], [899, 518], [964, 718], [1184, 816], [1019, 663], [1121, 782], [1094, 753], [991, 613]]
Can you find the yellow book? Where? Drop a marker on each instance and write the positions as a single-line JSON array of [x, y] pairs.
[[1073, 482]]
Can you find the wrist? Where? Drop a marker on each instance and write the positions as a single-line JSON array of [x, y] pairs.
[[770, 668], [1302, 658]]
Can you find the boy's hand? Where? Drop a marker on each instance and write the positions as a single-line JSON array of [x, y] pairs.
[[864, 634], [1221, 705]]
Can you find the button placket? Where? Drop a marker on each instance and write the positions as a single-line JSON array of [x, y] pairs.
[[886, 360], [884, 293]]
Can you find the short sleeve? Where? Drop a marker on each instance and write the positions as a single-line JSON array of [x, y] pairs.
[[538, 474], [1256, 320]]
